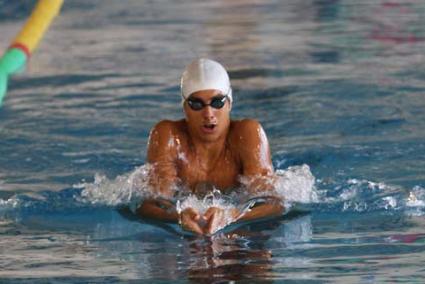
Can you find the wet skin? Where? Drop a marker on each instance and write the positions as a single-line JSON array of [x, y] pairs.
[[207, 147]]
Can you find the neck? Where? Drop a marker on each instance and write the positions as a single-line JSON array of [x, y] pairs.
[[209, 148], [208, 152]]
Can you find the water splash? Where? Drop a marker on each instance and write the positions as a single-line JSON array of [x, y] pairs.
[[9, 203], [126, 189], [213, 199], [296, 185], [360, 195], [415, 202]]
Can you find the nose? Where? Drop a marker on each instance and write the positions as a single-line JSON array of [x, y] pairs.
[[208, 112]]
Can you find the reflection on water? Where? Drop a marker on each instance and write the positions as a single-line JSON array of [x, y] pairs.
[[244, 252], [338, 86]]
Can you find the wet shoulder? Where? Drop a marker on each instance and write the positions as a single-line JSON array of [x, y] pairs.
[[167, 130], [170, 127], [244, 128], [244, 134]]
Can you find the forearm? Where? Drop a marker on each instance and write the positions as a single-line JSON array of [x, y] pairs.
[[154, 209], [263, 210]]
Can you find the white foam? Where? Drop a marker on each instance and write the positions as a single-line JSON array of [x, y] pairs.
[[361, 195], [416, 197], [123, 190], [9, 203], [296, 184], [212, 199]]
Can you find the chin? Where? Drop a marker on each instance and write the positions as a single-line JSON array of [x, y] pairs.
[[209, 137]]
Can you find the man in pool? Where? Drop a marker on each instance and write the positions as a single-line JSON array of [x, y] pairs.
[[208, 149]]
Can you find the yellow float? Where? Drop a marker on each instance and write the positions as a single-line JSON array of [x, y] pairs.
[[18, 53]]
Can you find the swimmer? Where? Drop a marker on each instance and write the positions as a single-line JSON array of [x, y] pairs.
[[207, 149]]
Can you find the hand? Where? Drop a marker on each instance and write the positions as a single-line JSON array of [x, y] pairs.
[[218, 218], [189, 220]]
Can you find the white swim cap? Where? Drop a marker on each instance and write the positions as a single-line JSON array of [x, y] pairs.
[[205, 74]]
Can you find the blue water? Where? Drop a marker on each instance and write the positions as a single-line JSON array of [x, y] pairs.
[[337, 85]]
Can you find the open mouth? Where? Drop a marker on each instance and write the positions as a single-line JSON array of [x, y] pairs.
[[209, 127]]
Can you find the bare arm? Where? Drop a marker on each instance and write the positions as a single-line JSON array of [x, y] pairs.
[[250, 142], [163, 147], [158, 209], [272, 208], [254, 152], [218, 218], [162, 153]]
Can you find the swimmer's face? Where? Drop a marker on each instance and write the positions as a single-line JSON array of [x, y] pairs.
[[208, 119]]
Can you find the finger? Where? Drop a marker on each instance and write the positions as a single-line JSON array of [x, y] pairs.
[[214, 222], [210, 212], [192, 213], [196, 216], [189, 225], [209, 227], [196, 229]]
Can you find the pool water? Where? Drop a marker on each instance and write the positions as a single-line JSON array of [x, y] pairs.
[[339, 87]]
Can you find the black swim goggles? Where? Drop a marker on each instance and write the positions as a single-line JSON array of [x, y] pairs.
[[217, 102]]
